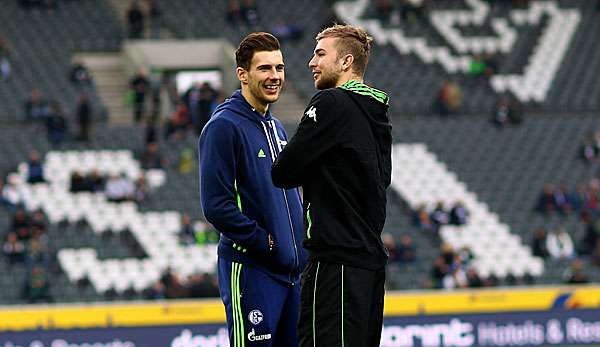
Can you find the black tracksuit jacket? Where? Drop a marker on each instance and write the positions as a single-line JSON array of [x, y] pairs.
[[341, 156]]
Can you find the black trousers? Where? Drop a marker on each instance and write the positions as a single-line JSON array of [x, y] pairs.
[[340, 306]]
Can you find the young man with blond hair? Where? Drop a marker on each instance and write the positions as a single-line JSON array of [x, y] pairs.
[[341, 156], [260, 258]]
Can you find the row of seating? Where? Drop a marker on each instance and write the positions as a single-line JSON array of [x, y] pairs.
[[156, 232], [416, 170]]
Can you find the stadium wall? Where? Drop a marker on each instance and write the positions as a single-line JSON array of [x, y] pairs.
[[558, 316]]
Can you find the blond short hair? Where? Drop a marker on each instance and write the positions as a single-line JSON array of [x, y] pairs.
[[351, 40]]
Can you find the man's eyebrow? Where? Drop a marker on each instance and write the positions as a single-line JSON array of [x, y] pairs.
[[269, 65], [319, 50]]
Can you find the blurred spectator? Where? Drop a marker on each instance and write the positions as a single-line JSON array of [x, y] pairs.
[[588, 151], [11, 197], [407, 252], [135, 20], [79, 74], [20, 224], [538, 243], [546, 200], [36, 255], [384, 9], [119, 188], [178, 122], [37, 285], [156, 292], [199, 100], [150, 132], [286, 31], [174, 288], [456, 276], [591, 234], [502, 112], [439, 271], [84, 117], [206, 235], [440, 216], [422, 220], [477, 65], [36, 108], [78, 183], [155, 14], [458, 214], [95, 182], [187, 235], [139, 85], [141, 188], [186, 161], [156, 91], [412, 10], [35, 169], [152, 158], [390, 244], [234, 12], [38, 220], [13, 249], [449, 99], [56, 124], [576, 274], [491, 64], [559, 244], [563, 199], [249, 12], [465, 255], [5, 67], [203, 286], [473, 279]]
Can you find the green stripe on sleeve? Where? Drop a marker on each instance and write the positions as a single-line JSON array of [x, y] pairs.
[[237, 195], [309, 220]]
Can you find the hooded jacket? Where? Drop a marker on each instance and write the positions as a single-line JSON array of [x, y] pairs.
[[341, 156], [236, 149]]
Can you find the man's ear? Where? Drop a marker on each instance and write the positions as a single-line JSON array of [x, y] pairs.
[[347, 62], [242, 75]]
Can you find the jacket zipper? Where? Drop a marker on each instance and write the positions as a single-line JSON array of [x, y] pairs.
[[272, 150]]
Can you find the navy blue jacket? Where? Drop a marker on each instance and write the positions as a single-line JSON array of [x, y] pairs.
[[236, 150]]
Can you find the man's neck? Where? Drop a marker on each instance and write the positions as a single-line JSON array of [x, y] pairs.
[[257, 106]]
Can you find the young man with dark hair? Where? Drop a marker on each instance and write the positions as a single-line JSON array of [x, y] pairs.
[[341, 156], [260, 258]]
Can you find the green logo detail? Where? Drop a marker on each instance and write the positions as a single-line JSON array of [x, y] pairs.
[[261, 153]]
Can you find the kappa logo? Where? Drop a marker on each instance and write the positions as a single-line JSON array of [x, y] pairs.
[[312, 113], [255, 317], [253, 337], [261, 153]]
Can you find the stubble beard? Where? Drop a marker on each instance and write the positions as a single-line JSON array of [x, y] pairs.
[[327, 80]]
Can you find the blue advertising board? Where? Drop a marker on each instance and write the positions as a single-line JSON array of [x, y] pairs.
[[548, 328]]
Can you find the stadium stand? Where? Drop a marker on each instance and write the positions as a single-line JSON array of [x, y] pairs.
[[497, 172], [42, 41]]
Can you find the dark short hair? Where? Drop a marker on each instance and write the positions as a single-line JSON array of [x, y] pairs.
[[255, 42], [351, 40]]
